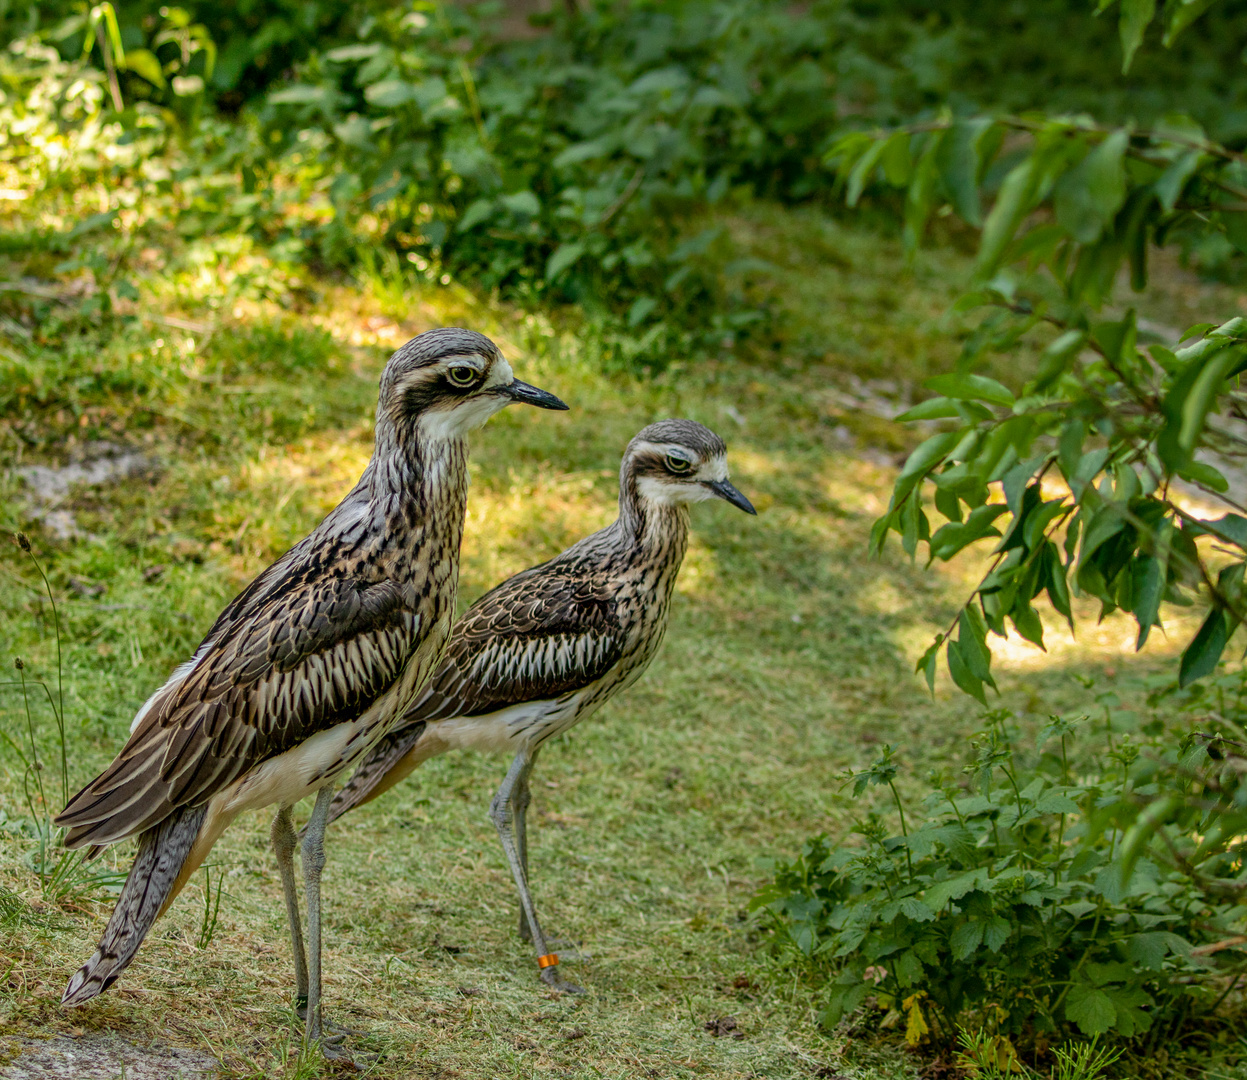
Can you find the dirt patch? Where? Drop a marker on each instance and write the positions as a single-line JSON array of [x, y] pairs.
[[99, 1057], [94, 464]]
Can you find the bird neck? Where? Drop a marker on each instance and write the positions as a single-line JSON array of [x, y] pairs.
[[652, 527], [416, 487]]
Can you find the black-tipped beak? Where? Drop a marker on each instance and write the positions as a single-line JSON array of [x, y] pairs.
[[530, 395], [728, 493]]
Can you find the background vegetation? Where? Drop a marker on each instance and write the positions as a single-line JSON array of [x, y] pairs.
[[936, 249]]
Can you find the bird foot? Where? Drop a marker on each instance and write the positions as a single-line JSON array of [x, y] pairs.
[[336, 1031], [551, 977], [331, 1044]]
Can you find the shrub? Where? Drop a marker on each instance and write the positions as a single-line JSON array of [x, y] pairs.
[[1029, 900]]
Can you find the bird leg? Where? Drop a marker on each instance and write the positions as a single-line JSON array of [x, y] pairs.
[[520, 799], [313, 864], [503, 812], [284, 842]]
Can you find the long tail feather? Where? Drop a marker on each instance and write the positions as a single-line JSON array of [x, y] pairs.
[[376, 772], [162, 852]]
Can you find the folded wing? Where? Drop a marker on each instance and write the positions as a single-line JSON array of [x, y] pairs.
[[543, 634], [305, 647]]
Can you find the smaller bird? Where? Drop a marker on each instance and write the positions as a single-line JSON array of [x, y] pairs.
[[547, 647], [306, 667]]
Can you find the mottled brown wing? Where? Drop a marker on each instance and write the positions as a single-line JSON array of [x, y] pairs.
[[537, 636], [301, 650], [546, 632]]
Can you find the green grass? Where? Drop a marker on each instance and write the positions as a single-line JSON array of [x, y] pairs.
[[788, 660]]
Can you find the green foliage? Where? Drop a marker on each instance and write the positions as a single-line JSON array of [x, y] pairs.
[[568, 166], [1108, 423], [1031, 899], [574, 165]]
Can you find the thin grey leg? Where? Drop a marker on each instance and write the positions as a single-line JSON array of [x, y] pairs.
[[313, 864], [284, 842], [503, 812], [520, 798]]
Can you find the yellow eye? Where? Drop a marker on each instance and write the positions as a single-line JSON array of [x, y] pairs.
[[462, 375], [677, 464]]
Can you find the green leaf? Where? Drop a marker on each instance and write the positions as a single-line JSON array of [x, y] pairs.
[[1087, 198], [936, 408], [1015, 201], [996, 932], [301, 94], [896, 161], [966, 939], [972, 644], [1232, 527], [1181, 15], [1105, 524], [879, 531], [1148, 950], [953, 537], [583, 151], [1189, 399], [1205, 649], [524, 203], [1149, 586], [927, 664], [915, 909], [353, 52], [1026, 620], [1171, 183], [961, 675], [1091, 1009], [1056, 803], [477, 212], [563, 257], [1200, 472], [1038, 520], [863, 170], [1135, 17], [144, 62], [1057, 358], [939, 894], [958, 161], [389, 93], [920, 196], [972, 387], [925, 456], [948, 503], [1056, 583]]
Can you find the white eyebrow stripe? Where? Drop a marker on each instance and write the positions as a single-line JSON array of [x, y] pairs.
[[501, 374]]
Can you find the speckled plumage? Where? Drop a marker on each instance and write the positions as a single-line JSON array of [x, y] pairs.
[[315, 659], [547, 647]]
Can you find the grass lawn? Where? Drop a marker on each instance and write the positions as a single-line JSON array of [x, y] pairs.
[[788, 660]]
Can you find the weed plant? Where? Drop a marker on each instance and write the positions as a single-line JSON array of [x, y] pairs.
[[65, 877], [1026, 900]]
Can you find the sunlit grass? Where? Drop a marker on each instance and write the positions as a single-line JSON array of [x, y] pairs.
[[788, 661]]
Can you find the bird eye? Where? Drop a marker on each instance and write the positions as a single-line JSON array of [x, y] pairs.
[[677, 464], [462, 375]]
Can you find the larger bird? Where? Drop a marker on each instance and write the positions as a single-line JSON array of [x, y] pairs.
[[306, 668], [544, 649]]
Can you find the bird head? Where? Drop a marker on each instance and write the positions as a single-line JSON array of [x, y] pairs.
[[674, 462], [447, 382]]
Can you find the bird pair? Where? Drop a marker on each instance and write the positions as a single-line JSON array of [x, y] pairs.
[[341, 654]]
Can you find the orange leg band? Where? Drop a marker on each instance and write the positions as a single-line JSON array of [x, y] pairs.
[[549, 960]]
